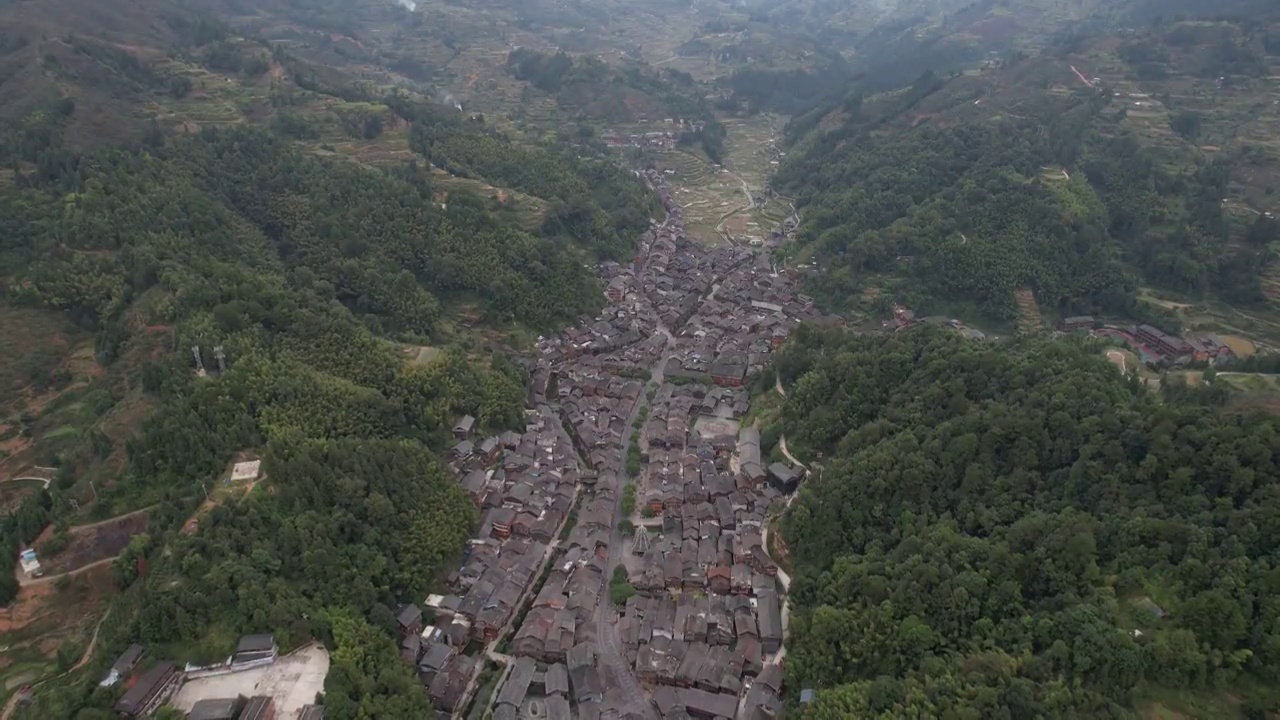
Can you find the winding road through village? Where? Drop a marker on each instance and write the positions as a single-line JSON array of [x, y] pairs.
[[613, 660]]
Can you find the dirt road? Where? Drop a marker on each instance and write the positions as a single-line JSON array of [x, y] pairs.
[[24, 581]]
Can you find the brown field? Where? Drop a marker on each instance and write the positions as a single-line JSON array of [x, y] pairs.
[[92, 543], [1242, 347], [46, 607], [419, 355]]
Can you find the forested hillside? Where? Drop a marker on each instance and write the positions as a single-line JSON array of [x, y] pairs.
[[1028, 175], [892, 42], [349, 527], [1017, 531], [592, 91], [316, 273], [303, 270]]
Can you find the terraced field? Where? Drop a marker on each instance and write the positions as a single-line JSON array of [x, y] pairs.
[[708, 196], [526, 210], [1030, 319], [718, 201]]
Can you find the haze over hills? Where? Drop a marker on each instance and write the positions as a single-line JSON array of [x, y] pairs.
[[322, 233]]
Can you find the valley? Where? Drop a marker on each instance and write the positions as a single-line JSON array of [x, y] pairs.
[[437, 359]]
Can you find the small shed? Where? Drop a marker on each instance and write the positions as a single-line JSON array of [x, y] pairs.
[[464, 428], [783, 477]]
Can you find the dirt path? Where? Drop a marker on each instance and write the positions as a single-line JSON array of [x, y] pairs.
[[1247, 374], [12, 705], [92, 525], [1114, 355], [1083, 79], [34, 472], [24, 581], [783, 576], [782, 445]]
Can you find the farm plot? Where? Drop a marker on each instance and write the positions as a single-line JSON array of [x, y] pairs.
[[708, 196], [91, 543], [751, 146]]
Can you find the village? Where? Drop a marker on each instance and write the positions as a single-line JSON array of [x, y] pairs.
[[621, 567], [635, 468]]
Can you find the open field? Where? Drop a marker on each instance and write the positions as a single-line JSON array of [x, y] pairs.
[[751, 147], [293, 681], [50, 606], [1030, 319], [45, 618], [1246, 331], [1251, 382], [1122, 359], [526, 211], [1164, 703], [1242, 347], [419, 355]]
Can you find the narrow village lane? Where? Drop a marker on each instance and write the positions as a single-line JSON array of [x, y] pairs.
[[685, 326]]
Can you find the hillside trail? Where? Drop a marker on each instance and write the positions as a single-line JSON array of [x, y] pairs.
[[12, 704], [24, 581], [90, 526], [782, 445], [782, 439], [33, 472]]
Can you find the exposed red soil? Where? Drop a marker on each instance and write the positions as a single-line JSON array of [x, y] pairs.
[[44, 602]]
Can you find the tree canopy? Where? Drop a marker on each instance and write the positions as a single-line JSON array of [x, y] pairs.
[[1056, 198], [1018, 531], [309, 274]]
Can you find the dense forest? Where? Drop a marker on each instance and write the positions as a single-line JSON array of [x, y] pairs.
[[591, 200], [90, 234], [307, 272], [967, 211], [596, 91], [790, 92], [1017, 530]]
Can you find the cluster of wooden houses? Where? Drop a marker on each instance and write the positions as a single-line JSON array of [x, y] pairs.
[[526, 485]]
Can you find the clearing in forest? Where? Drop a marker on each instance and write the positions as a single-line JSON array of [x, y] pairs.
[[420, 355], [88, 544], [1029, 318]]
